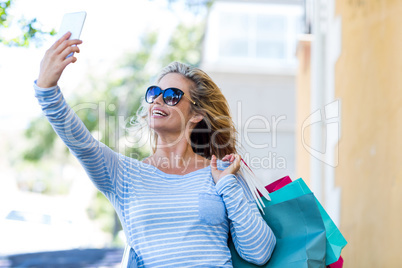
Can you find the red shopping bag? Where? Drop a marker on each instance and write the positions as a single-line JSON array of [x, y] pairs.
[[338, 264], [278, 184]]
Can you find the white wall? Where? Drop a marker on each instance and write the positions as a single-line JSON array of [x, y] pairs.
[[260, 91]]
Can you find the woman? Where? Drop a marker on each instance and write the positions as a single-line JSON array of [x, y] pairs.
[[176, 206]]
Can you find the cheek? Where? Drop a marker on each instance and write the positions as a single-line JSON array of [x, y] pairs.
[[181, 113]]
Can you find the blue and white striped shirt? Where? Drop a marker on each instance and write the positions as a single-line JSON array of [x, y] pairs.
[[169, 220]]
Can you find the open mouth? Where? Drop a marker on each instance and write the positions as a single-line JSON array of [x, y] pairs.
[[158, 113]]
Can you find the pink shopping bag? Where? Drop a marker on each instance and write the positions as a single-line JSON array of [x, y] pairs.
[[278, 184]]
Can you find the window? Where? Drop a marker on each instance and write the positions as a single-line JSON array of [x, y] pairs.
[[253, 33]]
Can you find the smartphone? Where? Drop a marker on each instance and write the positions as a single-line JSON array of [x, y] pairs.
[[72, 22]]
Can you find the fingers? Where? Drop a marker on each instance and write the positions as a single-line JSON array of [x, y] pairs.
[[64, 38], [65, 48], [235, 165], [233, 168], [62, 44], [229, 157], [61, 40], [68, 50], [67, 43], [213, 163], [68, 61], [234, 160]]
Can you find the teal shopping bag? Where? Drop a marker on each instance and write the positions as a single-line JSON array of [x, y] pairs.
[[299, 231], [335, 240]]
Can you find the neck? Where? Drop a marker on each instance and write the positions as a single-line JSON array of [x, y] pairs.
[[177, 148], [175, 152]]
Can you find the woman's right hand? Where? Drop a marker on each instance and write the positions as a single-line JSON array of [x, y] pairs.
[[54, 62], [234, 166]]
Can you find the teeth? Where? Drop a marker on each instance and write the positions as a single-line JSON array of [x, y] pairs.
[[157, 112]]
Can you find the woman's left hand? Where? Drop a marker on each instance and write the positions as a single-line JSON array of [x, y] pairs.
[[232, 169]]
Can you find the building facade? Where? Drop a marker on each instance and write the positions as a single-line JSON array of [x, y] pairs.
[[249, 51], [350, 72]]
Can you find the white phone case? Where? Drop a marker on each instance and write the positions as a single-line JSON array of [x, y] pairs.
[[72, 22]]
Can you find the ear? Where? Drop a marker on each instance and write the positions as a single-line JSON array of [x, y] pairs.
[[196, 118]]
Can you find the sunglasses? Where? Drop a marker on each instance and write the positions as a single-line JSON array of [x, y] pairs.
[[171, 96]]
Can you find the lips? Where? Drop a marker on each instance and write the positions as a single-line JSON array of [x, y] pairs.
[[158, 113]]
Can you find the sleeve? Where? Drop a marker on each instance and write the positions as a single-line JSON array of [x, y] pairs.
[[252, 237], [98, 160]]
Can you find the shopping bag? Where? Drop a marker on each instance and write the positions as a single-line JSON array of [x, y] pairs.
[[278, 184], [299, 232], [335, 240]]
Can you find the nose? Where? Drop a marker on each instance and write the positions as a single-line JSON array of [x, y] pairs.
[[159, 99]]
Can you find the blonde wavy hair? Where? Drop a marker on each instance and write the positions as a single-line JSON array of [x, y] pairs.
[[215, 134]]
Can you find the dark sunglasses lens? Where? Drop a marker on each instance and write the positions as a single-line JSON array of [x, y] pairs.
[[172, 96], [152, 93]]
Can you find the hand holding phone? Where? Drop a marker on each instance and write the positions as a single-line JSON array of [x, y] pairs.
[[60, 54], [55, 60]]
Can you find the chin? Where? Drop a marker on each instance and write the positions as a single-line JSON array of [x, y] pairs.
[[158, 127]]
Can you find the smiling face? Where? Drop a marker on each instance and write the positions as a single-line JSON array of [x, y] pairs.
[[163, 118]]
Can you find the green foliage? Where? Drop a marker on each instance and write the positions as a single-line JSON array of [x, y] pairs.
[[4, 5], [30, 29], [41, 138], [100, 209], [186, 44]]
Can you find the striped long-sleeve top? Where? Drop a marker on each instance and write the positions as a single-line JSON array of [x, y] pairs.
[[169, 220]]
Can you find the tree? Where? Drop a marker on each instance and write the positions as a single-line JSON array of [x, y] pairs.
[[186, 44], [30, 29]]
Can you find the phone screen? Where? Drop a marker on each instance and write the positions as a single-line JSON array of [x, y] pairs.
[[72, 22]]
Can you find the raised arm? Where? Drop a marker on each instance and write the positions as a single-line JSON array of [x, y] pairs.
[[99, 161]]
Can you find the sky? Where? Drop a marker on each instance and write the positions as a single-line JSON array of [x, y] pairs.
[[111, 28]]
